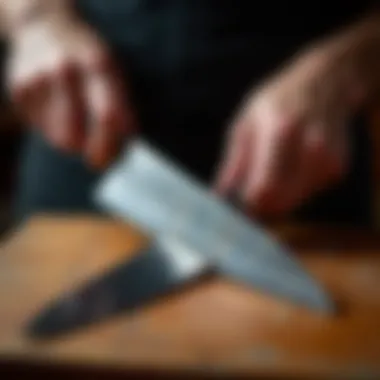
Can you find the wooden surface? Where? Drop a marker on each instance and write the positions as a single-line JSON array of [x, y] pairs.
[[215, 327]]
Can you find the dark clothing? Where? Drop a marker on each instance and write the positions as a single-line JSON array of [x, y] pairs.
[[189, 63]]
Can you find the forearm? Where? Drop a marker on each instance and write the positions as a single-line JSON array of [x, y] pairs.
[[16, 14]]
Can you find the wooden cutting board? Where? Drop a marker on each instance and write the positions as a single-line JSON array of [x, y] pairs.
[[215, 327]]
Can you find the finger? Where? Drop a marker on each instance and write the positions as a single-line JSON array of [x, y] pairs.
[[36, 98], [337, 157], [322, 163], [331, 114], [310, 170], [233, 164], [106, 120], [67, 111], [41, 95], [101, 64], [273, 167], [334, 162], [127, 117], [29, 96], [338, 144]]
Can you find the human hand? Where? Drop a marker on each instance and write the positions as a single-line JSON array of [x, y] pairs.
[[63, 81], [290, 139]]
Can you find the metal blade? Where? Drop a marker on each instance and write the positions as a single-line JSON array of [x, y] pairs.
[[282, 277], [162, 267], [148, 189]]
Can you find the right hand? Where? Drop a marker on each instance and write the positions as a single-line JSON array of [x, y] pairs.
[[62, 80]]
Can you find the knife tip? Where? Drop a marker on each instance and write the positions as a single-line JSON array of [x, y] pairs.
[[37, 328], [43, 326], [322, 302]]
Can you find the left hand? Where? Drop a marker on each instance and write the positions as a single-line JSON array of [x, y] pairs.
[[290, 139]]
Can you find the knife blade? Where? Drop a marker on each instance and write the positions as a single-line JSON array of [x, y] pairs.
[[145, 187], [163, 267]]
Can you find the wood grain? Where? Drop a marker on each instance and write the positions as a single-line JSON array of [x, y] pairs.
[[214, 327]]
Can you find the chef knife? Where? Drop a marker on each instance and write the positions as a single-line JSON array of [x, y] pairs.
[[193, 233], [147, 188]]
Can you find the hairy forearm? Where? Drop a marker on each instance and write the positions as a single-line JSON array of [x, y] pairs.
[[16, 14]]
